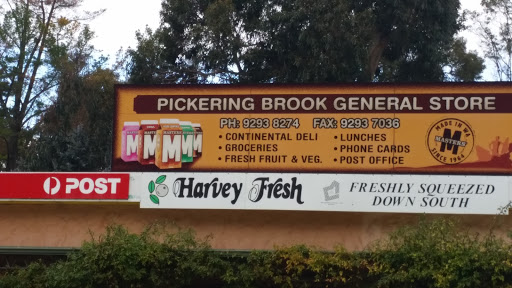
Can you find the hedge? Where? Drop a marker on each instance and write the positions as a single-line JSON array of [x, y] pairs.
[[431, 253]]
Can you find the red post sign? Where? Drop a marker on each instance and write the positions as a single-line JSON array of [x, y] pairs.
[[61, 186]]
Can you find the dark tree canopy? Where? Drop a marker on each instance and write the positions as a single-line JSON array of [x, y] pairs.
[[74, 132], [34, 36], [464, 66], [297, 41]]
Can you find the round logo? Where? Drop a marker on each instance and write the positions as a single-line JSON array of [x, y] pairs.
[[162, 190], [51, 185], [450, 140]]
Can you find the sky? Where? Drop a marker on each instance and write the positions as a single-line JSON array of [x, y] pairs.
[[116, 27]]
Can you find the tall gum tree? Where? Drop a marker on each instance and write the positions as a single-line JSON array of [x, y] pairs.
[[493, 26], [410, 38], [74, 132], [30, 31], [297, 41]]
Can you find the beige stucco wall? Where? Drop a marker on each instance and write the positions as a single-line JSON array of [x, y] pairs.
[[68, 225]]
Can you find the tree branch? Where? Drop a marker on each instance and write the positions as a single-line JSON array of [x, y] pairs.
[[44, 34]]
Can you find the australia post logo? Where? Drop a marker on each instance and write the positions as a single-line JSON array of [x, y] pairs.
[[91, 186]]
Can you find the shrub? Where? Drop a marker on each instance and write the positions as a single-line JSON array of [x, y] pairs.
[[429, 254], [437, 254], [157, 257], [32, 276], [302, 266]]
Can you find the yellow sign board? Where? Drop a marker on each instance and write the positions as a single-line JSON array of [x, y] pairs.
[[432, 128]]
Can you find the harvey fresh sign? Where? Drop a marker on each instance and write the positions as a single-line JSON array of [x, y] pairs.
[[227, 189]]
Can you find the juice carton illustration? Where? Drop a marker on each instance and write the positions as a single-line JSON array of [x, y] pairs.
[[129, 141], [168, 144], [198, 140], [187, 144], [147, 141]]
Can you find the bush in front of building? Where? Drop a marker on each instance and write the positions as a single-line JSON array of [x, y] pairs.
[[430, 254], [160, 256], [439, 254], [302, 266], [32, 276]]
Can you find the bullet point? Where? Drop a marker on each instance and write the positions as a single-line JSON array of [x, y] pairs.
[[335, 148], [220, 158], [220, 147], [220, 136], [335, 137], [335, 159]]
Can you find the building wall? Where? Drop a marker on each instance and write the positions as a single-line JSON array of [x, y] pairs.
[[68, 225]]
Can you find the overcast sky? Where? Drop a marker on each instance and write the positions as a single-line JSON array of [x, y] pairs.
[[116, 27]]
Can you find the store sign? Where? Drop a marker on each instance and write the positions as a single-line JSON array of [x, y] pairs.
[[60, 186], [436, 129], [324, 192], [398, 193]]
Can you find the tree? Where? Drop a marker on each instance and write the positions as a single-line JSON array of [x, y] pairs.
[[494, 27], [75, 131], [237, 41], [33, 35], [463, 66], [147, 60]]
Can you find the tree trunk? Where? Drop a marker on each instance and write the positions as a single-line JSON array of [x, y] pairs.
[[379, 43], [12, 151]]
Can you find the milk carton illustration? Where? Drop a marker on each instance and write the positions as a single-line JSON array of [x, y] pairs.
[[187, 144], [198, 140], [168, 144], [129, 141], [147, 142]]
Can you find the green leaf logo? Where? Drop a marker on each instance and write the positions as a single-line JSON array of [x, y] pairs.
[[161, 189], [154, 199], [151, 187], [160, 179]]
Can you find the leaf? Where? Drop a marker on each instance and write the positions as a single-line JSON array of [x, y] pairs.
[[154, 199], [160, 179], [151, 187]]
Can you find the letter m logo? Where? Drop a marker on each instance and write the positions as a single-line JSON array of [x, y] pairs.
[[447, 134]]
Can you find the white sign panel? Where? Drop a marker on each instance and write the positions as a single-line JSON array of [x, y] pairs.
[[323, 192]]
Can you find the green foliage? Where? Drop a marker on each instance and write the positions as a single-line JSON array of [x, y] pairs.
[[301, 266], [297, 41], [158, 257], [464, 66], [417, 36], [494, 28], [437, 254], [34, 39], [75, 132], [154, 258], [429, 254], [33, 276]]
